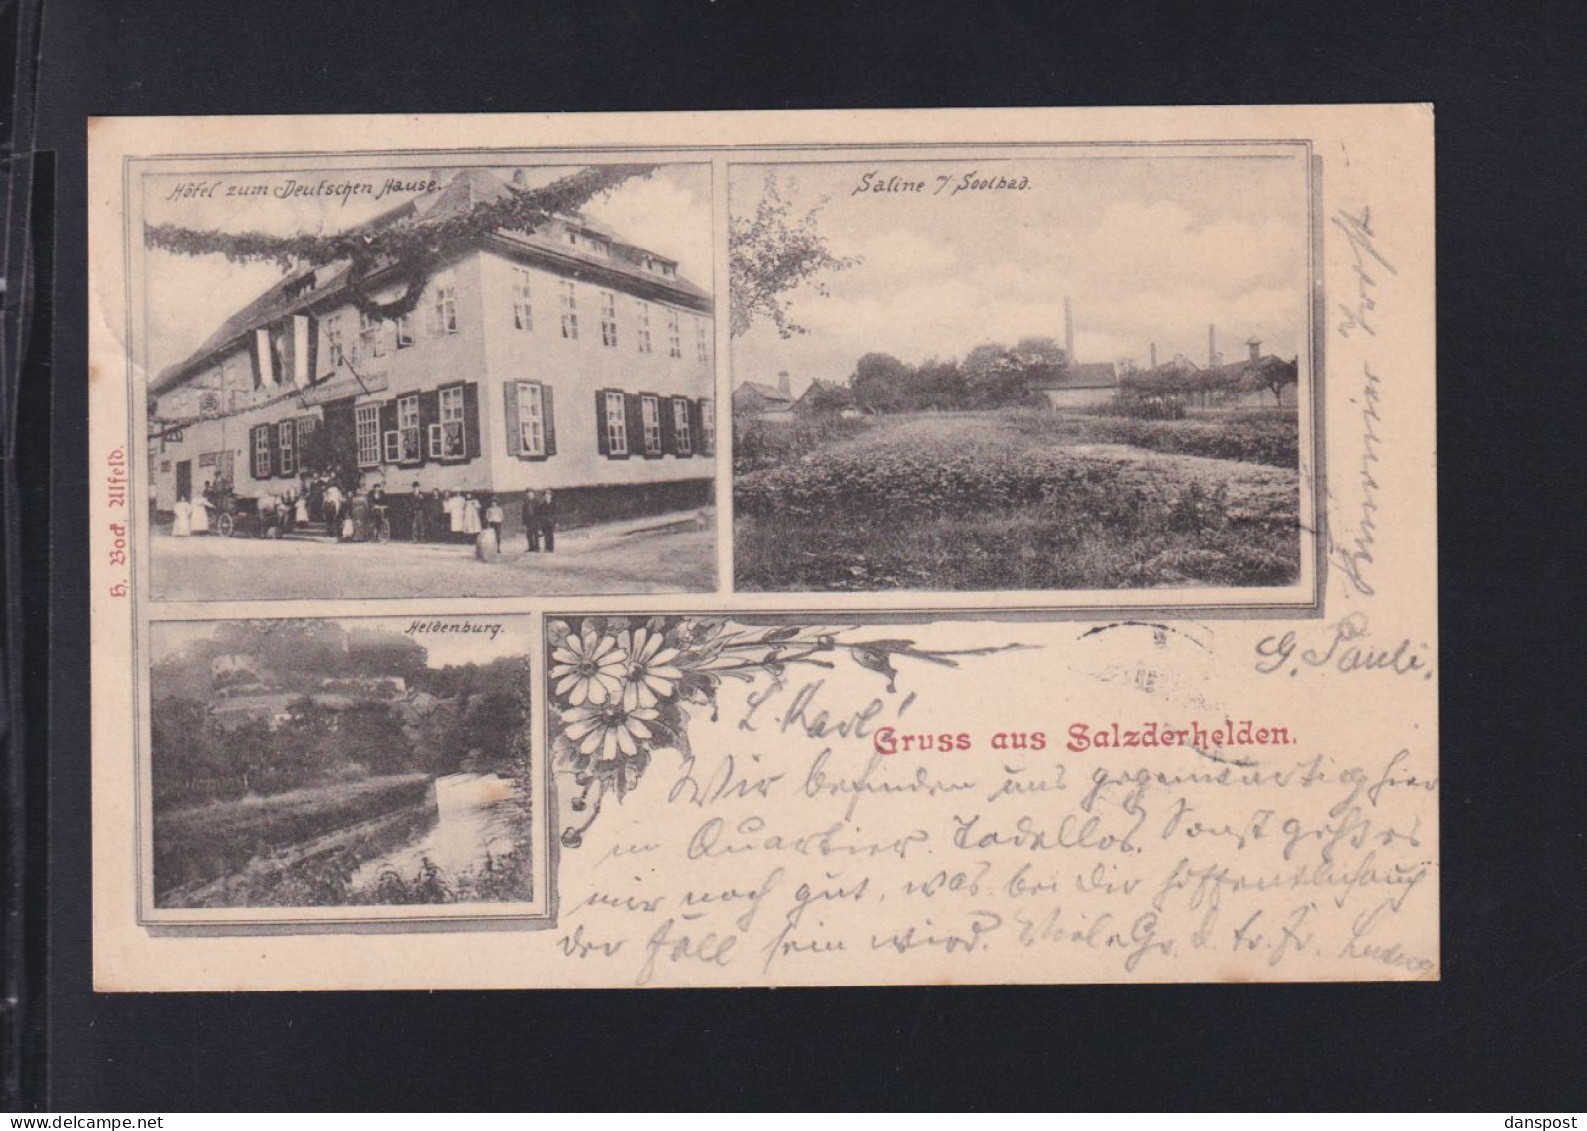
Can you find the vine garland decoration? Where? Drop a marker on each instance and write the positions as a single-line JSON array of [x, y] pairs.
[[401, 253]]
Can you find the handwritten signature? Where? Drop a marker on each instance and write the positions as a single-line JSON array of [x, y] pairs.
[[1348, 649]]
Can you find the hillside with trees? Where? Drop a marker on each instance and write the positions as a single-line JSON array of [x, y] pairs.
[[264, 707]]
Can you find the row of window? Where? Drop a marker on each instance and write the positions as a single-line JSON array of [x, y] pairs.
[[652, 425], [276, 448], [595, 245], [417, 426], [568, 307], [376, 337], [443, 425]]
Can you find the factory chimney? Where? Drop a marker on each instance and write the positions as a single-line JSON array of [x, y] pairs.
[[1212, 346], [783, 385], [1069, 332], [1154, 355]]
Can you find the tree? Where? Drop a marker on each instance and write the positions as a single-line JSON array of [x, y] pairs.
[[993, 376], [939, 384], [370, 735], [486, 731], [1271, 375], [377, 652], [771, 254], [880, 382], [1037, 350]]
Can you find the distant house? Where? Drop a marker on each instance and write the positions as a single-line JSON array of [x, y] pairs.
[[1074, 385], [757, 398], [1259, 381], [824, 397]]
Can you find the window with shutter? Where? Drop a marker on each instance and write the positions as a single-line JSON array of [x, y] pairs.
[[430, 423], [409, 449], [548, 402], [367, 428], [614, 415], [636, 427], [650, 417], [287, 445], [707, 426], [526, 412], [454, 444], [682, 427], [261, 451]]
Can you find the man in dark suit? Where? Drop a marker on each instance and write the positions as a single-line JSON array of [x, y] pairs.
[[531, 521], [548, 521]]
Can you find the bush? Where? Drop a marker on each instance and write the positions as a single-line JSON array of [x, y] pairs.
[[759, 443], [1251, 439]]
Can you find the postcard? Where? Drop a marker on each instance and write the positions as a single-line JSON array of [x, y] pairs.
[[764, 549]]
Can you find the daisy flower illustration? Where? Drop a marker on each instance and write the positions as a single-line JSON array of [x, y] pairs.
[[588, 669], [606, 731], [652, 674]]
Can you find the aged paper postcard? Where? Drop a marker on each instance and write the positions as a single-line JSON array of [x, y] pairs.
[[746, 549]]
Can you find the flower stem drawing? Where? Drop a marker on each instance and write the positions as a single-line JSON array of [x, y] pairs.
[[621, 687]]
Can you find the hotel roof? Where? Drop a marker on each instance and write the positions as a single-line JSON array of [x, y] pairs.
[[307, 289]]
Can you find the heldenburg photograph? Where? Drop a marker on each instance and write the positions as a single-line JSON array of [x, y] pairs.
[[341, 763]]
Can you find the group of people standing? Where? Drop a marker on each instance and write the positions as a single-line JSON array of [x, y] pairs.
[[190, 517], [539, 521], [446, 515], [437, 516]]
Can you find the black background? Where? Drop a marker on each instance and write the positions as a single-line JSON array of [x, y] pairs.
[[1505, 1030]]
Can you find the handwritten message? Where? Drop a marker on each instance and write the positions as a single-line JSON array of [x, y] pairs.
[[785, 852]]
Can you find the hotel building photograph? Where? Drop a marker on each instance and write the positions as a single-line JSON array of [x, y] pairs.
[[306, 448]]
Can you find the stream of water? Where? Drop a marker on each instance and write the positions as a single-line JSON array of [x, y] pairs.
[[472, 820]]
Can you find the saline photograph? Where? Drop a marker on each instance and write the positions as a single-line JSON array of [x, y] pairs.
[[1085, 372], [341, 763]]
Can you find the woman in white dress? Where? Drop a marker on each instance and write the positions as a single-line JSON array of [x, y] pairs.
[[302, 509], [182, 523], [199, 515], [454, 512], [471, 523]]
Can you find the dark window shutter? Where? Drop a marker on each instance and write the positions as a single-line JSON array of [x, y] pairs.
[[636, 424], [514, 436], [705, 448], [551, 419], [388, 423], [253, 359], [471, 445], [697, 426], [312, 368], [273, 438], [429, 413], [601, 444], [669, 434]]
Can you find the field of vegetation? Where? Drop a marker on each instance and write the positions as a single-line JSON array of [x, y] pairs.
[[1018, 498], [203, 843]]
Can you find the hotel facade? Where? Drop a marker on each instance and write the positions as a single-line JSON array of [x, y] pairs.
[[568, 359]]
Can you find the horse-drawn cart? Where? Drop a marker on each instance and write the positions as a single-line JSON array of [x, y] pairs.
[[238, 516]]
